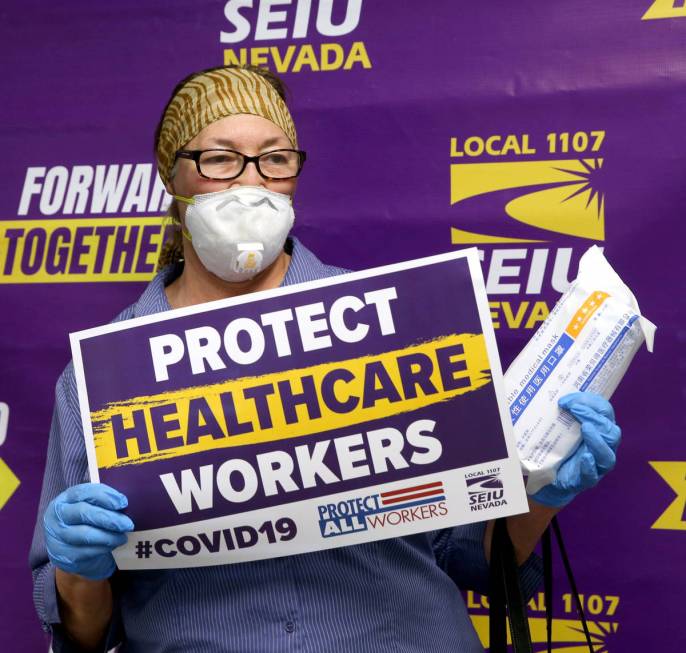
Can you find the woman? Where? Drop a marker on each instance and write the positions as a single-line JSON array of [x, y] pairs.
[[227, 151]]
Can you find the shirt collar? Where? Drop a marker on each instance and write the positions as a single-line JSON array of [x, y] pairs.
[[304, 266]]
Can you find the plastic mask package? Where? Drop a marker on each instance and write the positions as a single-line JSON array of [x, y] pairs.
[[586, 343]]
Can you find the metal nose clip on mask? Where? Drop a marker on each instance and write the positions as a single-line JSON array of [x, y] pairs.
[[239, 232]]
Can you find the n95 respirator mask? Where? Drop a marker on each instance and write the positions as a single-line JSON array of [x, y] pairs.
[[239, 232]]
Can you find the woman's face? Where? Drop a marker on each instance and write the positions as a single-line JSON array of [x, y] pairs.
[[245, 133]]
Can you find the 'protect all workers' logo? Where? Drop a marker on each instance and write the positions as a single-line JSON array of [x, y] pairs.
[[666, 9], [377, 511], [524, 200]]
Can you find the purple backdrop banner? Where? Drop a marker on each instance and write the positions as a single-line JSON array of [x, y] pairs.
[[531, 130]]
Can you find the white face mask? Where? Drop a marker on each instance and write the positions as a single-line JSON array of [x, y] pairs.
[[239, 232]]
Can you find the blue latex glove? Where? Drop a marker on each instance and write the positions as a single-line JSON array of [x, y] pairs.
[[82, 526], [593, 458]]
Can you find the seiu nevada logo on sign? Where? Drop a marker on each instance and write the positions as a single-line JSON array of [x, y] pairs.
[[520, 200], [485, 491], [391, 508], [277, 32]]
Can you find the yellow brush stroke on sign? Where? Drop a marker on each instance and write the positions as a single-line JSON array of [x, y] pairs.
[[475, 370]]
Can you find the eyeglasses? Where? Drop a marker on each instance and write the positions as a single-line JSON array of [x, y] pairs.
[[222, 165]]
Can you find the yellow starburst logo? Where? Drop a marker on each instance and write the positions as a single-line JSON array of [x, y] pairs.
[[565, 197]]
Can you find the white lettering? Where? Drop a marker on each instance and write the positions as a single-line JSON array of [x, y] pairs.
[[53, 190], [267, 17], [33, 174], [139, 188], [337, 321], [277, 321], [347, 457], [561, 269], [190, 490], [270, 23], [276, 467], [226, 488], [302, 19], [325, 24], [386, 445], [255, 334], [203, 346], [77, 194], [497, 271], [417, 436], [241, 25], [311, 464], [166, 350], [538, 262], [309, 327], [108, 187], [244, 339], [382, 300]]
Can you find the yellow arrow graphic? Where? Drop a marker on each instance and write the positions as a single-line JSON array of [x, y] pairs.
[[674, 474], [666, 9], [8, 483]]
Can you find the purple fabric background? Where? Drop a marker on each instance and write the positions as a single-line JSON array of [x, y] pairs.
[[84, 83]]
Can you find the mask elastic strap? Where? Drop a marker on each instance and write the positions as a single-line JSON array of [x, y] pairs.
[[186, 200]]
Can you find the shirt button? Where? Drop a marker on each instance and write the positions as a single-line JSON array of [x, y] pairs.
[[289, 627]]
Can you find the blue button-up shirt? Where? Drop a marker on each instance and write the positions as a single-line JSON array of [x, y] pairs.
[[396, 595]]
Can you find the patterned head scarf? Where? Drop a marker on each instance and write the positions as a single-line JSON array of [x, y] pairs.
[[214, 95]]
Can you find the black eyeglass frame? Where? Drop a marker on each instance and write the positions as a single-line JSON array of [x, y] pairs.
[[195, 155]]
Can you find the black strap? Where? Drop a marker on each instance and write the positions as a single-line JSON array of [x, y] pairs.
[[548, 570], [506, 591], [497, 625], [506, 596], [548, 586]]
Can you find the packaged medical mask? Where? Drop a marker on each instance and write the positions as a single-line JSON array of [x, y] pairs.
[[239, 232], [586, 343]]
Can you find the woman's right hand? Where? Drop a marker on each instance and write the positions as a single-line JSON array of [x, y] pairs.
[[83, 526]]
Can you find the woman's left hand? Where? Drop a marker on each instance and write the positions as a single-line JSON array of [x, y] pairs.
[[593, 458]]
